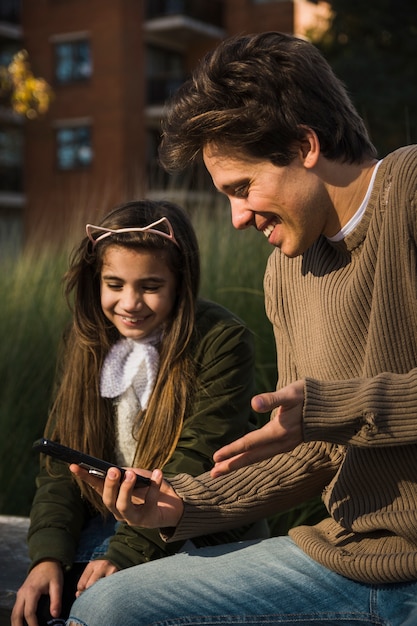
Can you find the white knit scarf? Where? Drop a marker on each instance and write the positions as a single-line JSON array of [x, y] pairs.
[[128, 376], [131, 362]]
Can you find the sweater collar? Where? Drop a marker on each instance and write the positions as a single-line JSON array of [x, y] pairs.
[[355, 238]]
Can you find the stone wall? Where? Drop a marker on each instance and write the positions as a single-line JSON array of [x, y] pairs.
[[14, 562]]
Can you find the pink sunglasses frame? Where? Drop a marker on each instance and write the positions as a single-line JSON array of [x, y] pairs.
[[110, 231]]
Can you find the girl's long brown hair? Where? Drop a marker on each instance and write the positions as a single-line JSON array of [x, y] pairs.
[[80, 417]]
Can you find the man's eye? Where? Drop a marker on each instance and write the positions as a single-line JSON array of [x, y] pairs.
[[241, 192]]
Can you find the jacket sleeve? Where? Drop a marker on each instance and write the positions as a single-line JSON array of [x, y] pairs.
[[57, 516], [220, 413]]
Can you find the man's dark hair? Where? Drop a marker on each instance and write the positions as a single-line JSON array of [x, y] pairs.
[[257, 94]]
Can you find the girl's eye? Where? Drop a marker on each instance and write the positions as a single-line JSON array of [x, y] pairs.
[[113, 286], [151, 288]]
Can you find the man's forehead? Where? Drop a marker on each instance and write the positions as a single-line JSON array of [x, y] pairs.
[[226, 154]]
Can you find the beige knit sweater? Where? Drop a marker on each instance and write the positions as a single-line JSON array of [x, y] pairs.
[[345, 320]]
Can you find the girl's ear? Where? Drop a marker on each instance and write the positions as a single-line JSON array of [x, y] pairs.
[[309, 148]]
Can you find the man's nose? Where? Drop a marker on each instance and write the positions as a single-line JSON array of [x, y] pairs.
[[242, 216]]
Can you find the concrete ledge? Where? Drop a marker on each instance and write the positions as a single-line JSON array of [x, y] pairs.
[[14, 562]]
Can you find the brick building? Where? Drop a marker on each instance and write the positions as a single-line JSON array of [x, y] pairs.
[[112, 64]]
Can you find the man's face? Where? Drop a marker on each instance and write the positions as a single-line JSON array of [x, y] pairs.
[[288, 204]]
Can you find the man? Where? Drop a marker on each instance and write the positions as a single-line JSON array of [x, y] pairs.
[[280, 137]]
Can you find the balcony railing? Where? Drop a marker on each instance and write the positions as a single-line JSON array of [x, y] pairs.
[[209, 11]]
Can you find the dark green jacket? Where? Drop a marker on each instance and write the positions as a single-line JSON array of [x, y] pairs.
[[224, 356]]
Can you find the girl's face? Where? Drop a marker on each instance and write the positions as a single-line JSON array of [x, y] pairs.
[[138, 290]]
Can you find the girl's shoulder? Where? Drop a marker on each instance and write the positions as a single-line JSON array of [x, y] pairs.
[[209, 314], [218, 330]]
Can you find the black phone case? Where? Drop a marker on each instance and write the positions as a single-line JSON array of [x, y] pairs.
[[98, 467]]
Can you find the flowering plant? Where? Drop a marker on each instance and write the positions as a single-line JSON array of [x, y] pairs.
[[28, 95]]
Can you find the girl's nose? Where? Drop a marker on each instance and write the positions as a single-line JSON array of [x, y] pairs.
[[132, 300]]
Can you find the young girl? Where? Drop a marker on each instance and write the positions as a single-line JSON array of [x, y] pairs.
[[152, 377]]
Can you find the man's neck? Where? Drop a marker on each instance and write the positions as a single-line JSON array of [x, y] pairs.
[[347, 186]]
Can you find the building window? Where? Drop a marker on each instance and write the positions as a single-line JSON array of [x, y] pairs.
[[10, 11], [164, 73], [193, 178], [72, 60], [8, 49], [73, 147], [11, 158]]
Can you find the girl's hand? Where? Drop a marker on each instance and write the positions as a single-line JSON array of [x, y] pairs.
[[46, 578], [156, 506], [93, 572], [283, 433]]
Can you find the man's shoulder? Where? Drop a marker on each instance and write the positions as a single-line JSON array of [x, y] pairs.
[[401, 157], [397, 179]]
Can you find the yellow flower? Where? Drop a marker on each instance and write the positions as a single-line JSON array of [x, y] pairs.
[[28, 95]]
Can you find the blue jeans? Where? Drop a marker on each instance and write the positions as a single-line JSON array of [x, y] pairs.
[[259, 582], [95, 538]]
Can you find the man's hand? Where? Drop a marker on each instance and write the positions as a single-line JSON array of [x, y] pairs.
[[46, 578], [283, 433], [93, 572], [156, 506]]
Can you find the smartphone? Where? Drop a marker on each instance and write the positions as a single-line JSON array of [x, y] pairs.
[[94, 466]]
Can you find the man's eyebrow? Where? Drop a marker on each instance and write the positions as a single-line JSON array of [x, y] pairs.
[[231, 186]]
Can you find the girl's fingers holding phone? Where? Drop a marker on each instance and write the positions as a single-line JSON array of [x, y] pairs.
[[110, 493], [108, 489], [152, 507], [163, 507], [130, 501], [94, 482]]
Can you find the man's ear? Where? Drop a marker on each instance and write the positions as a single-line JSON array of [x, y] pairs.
[[309, 148]]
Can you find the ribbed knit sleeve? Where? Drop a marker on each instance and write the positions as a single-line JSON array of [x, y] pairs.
[[254, 492], [377, 411]]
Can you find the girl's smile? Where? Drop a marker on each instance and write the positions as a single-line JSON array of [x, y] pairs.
[[138, 290]]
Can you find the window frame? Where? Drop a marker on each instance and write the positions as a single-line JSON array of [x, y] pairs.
[[79, 138], [77, 67]]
